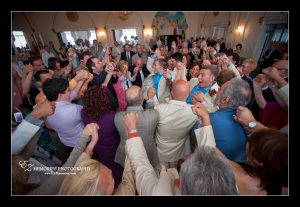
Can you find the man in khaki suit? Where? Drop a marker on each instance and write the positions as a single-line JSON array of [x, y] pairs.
[[196, 172], [175, 121]]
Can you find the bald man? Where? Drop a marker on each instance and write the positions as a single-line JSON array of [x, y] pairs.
[[146, 126], [142, 72], [176, 119]]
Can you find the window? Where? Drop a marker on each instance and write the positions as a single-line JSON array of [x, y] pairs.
[[19, 39], [72, 36], [125, 36], [214, 32]]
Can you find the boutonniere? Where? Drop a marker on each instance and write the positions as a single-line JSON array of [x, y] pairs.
[[212, 92]]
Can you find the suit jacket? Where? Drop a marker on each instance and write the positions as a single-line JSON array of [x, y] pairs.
[[124, 57], [144, 57], [146, 126], [147, 182], [176, 119], [138, 81], [112, 96], [99, 53], [163, 89], [209, 101]]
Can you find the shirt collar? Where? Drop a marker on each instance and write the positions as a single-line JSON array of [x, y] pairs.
[[161, 73], [179, 103], [135, 108]]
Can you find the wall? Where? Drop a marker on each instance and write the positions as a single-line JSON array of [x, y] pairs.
[[254, 31], [252, 38]]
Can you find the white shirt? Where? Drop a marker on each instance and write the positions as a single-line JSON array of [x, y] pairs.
[[45, 56]]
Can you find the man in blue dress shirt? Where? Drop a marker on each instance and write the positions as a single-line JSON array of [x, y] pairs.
[[230, 136]]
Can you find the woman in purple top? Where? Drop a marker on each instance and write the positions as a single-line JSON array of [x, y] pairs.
[[96, 109]]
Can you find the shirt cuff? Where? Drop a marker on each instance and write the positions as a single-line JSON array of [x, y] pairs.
[[149, 100], [34, 121]]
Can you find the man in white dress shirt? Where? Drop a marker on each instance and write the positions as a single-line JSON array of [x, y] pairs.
[[46, 55]]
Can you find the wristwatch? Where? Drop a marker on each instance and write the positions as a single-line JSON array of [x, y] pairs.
[[252, 124]]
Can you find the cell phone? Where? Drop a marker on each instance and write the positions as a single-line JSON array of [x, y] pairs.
[[18, 117]]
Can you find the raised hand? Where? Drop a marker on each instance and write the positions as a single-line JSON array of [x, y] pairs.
[[166, 75], [243, 116], [173, 45], [151, 93], [157, 53], [43, 109], [197, 97], [130, 121], [90, 77], [71, 52], [272, 73], [91, 130], [206, 62], [135, 70], [259, 80], [199, 110]]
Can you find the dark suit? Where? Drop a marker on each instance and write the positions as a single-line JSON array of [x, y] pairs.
[[112, 96], [124, 57], [222, 47], [138, 81], [97, 52]]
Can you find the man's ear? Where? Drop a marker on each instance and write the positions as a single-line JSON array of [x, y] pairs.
[[225, 99]]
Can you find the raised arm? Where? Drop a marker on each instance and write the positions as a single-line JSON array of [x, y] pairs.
[[30, 126], [147, 183], [244, 116], [258, 82], [204, 134], [52, 184]]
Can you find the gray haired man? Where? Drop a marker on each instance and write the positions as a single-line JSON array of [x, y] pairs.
[[148, 120]]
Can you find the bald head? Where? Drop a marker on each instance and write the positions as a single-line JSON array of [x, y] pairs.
[[139, 63], [134, 96], [180, 90]]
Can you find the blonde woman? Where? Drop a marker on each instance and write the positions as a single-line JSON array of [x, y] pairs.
[[125, 76], [90, 177]]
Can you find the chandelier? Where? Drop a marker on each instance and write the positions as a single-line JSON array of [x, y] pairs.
[[123, 15]]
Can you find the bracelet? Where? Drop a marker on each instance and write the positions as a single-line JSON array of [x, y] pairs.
[[132, 135]]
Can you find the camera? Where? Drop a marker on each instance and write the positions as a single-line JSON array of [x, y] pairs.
[[18, 117]]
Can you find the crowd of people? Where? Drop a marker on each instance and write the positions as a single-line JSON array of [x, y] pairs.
[[195, 120]]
